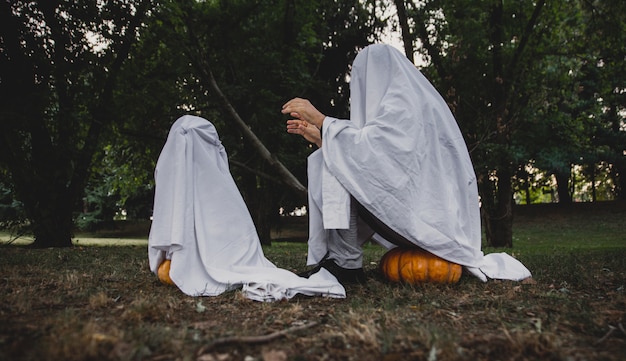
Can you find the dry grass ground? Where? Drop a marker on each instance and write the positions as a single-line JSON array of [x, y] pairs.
[[102, 303]]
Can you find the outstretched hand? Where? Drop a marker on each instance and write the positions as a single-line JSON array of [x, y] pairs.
[[308, 120], [302, 109], [306, 130]]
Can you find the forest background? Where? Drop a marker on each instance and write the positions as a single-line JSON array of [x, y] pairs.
[[89, 90]]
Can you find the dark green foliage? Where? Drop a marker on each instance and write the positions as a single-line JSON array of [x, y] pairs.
[[59, 68], [525, 81], [12, 216], [261, 55], [88, 99]]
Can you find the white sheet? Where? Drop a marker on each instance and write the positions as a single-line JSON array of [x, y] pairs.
[[201, 223], [402, 156]]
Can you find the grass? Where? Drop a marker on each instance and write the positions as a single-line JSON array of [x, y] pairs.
[[95, 303]]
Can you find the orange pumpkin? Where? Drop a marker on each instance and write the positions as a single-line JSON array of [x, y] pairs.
[[414, 265], [164, 272]]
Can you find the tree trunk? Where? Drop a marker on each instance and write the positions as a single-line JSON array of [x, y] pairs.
[[500, 213], [618, 173], [48, 205], [264, 214], [502, 220], [52, 223], [256, 197], [407, 37], [527, 189], [562, 186], [497, 209], [49, 153], [593, 182]]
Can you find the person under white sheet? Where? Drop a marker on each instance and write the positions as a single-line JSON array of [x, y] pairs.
[[398, 167], [201, 223]]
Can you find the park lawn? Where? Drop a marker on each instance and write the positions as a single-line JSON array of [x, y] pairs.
[[101, 302]]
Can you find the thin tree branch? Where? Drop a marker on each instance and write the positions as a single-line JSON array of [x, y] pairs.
[[204, 69], [101, 114], [253, 339], [407, 37], [431, 49], [254, 171], [528, 30]]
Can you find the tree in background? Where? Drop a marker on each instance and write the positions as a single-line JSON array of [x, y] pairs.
[[539, 83], [235, 63], [576, 128], [59, 68], [517, 75], [482, 53], [604, 78]]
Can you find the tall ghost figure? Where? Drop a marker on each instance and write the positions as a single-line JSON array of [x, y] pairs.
[[402, 160]]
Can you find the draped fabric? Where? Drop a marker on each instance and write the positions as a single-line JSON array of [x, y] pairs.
[[202, 224], [402, 156]]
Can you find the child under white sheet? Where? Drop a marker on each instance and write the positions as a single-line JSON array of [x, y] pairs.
[[201, 223]]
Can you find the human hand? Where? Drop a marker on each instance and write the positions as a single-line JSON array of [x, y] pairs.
[[306, 130], [302, 109]]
